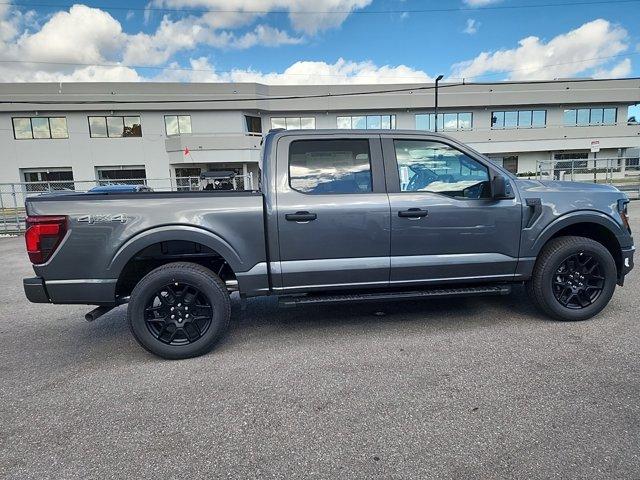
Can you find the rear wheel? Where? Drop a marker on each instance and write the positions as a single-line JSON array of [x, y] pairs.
[[573, 279], [179, 310]]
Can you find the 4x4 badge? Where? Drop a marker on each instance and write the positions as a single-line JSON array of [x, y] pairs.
[[91, 219]]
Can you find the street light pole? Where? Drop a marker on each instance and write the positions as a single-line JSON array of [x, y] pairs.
[[436, 102]]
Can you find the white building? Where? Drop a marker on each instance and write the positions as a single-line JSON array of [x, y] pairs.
[[87, 131]]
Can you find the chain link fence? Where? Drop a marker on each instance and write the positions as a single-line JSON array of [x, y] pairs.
[[621, 172], [13, 195]]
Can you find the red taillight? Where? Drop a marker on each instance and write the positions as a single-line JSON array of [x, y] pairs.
[[44, 234]]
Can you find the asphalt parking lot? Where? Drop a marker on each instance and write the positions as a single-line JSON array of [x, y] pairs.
[[473, 388]]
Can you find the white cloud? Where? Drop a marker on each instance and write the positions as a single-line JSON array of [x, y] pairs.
[[620, 70], [104, 43], [169, 38], [8, 24], [80, 35], [472, 26], [91, 74], [575, 52], [301, 73], [480, 3], [62, 47], [84, 35], [187, 33], [146, 16], [306, 16], [340, 72], [38, 73], [267, 36], [311, 23], [13, 21]]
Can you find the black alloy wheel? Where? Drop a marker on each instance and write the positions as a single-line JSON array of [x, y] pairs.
[[179, 310], [178, 314], [578, 281], [573, 278]]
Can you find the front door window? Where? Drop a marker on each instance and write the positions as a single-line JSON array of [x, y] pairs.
[[430, 166]]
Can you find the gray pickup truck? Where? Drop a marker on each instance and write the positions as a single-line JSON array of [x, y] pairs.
[[341, 216]]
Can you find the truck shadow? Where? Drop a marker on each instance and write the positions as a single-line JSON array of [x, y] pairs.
[[264, 316]]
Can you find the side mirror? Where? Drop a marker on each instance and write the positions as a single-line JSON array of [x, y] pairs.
[[499, 187]]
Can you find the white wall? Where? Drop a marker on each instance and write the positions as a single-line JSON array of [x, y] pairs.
[[83, 153], [223, 139]]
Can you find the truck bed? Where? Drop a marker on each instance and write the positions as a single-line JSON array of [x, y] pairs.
[[106, 230]]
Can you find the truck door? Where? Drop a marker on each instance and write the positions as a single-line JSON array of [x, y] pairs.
[[445, 227], [333, 212]]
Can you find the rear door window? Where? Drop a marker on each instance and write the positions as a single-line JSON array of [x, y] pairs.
[[330, 166]]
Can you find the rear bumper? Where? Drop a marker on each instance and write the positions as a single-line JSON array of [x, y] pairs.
[[35, 290], [627, 263], [82, 291]]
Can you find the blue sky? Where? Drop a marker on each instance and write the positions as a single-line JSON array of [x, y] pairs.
[[297, 43]]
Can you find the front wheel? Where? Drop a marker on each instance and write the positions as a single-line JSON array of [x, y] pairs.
[[573, 279], [179, 310]]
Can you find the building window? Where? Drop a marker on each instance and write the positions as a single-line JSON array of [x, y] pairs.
[[131, 175], [634, 114], [510, 163], [364, 122], [48, 179], [114, 127], [330, 166], [294, 123], [590, 116], [177, 124], [27, 128], [451, 121], [254, 124], [519, 119]]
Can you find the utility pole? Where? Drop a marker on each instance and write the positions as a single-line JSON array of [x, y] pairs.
[[436, 102]]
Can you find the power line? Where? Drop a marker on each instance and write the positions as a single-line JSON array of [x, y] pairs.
[[297, 97], [322, 12], [225, 100], [416, 77]]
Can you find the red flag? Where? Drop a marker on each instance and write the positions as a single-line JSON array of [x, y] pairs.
[[186, 150]]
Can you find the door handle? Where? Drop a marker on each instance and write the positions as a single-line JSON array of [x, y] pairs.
[[300, 217], [413, 213]]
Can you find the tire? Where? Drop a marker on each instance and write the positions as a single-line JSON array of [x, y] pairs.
[[558, 265], [194, 295]]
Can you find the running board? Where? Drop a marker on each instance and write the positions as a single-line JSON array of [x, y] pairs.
[[319, 299]]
